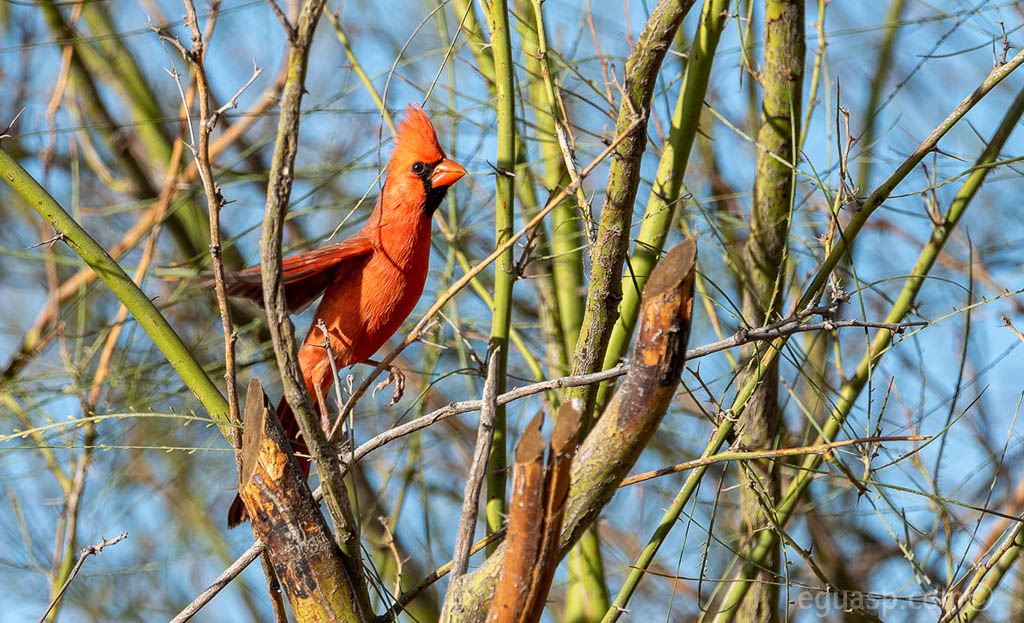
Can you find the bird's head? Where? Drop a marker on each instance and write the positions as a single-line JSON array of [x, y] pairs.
[[419, 171]]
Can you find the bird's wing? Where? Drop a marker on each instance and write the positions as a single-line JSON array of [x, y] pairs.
[[306, 275]]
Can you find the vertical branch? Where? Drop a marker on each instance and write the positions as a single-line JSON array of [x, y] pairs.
[[475, 478], [764, 274], [279, 186], [537, 262], [604, 291], [504, 268], [478, 44], [286, 517]]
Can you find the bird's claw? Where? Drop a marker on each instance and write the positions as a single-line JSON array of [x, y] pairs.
[[398, 378]]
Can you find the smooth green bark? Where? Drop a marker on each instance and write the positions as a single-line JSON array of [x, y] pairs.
[[126, 290], [504, 268]]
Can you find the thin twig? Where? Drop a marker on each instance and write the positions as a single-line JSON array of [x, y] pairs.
[[1009, 325], [92, 550], [558, 117], [222, 580], [393, 547], [477, 471], [289, 30], [764, 454], [10, 126], [233, 102], [274, 588]]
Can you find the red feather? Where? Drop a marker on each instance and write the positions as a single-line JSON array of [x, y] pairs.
[[306, 275], [372, 281]]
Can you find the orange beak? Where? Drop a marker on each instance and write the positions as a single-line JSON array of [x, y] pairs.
[[446, 173]]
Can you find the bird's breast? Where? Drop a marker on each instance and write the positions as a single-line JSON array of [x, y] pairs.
[[366, 308]]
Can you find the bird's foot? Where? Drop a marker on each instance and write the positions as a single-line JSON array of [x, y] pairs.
[[397, 377]]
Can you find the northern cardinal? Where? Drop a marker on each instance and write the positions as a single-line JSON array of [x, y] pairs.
[[372, 280]]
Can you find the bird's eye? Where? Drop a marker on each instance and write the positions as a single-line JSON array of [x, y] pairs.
[[418, 168]]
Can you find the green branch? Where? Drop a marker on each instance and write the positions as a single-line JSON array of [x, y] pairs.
[[504, 268], [126, 290]]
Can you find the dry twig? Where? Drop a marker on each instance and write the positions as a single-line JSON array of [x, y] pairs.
[[92, 550]]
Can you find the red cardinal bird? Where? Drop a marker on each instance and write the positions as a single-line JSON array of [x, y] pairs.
[[373, 279]]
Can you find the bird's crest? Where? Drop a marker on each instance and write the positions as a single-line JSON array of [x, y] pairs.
[[416, 135]]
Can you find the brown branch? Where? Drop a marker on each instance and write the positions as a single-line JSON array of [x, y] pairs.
[[625, 427], [92, 550], [526, 512], [535, 518], [274, 588], [285, 516], [824, 448]]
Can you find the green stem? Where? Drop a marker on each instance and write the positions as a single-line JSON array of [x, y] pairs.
[[504, 269], [668, 183], [130, 295], [986, 580]]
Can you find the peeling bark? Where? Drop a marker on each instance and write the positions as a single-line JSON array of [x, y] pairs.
[[287, 519], [626, 426]]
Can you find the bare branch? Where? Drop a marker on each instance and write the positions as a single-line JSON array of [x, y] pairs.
[[289, 30], [475, 480], [92, 550], [233, 102], [222, 580]]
